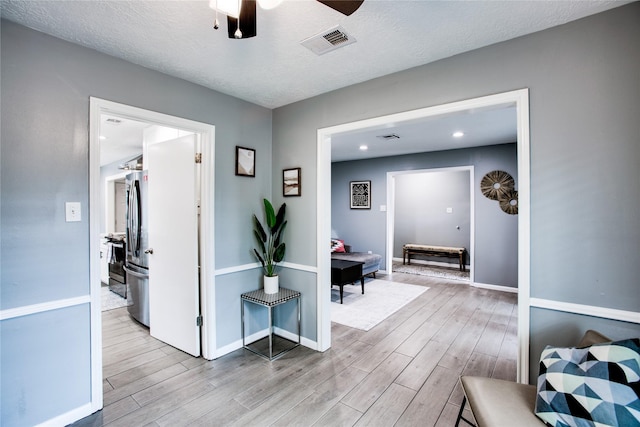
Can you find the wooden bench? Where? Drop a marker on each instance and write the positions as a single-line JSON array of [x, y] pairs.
[[428, 250]]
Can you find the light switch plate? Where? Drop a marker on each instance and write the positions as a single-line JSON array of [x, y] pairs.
[[449, 210], [73, 211]]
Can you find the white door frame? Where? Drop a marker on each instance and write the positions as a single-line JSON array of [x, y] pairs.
[[391, 211], [206, 133], [519, 99]]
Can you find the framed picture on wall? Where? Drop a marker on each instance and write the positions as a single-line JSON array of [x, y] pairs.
[[360, 194], [292, 182], [245, 161]]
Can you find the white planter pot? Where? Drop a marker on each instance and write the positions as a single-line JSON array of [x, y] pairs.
[[271, 285]]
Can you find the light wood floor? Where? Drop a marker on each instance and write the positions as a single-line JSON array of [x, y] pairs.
[[403, 372]]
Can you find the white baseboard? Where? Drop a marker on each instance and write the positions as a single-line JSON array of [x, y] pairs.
[[305, 342], [434, 263], [229, 348], [69, 417], [495, 287]]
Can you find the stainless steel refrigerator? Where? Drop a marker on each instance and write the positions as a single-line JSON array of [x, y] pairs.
[[137, 264]]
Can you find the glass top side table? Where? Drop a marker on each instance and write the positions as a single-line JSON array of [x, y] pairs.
[[270, 301]]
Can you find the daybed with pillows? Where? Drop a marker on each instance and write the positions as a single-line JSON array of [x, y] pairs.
[[596, 383], [371, 261]]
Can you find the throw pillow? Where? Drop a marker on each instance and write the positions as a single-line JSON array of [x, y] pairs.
[[337, 245], [592, 386]]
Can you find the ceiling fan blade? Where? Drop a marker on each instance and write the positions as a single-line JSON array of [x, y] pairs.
[[346, 7], [247, 21]]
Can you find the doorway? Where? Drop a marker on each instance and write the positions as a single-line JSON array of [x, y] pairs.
[[464, 219], [205, 134], [518, 99]]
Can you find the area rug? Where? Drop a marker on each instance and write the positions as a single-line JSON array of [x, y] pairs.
[[381, 299], [432, 271], [111, 300]]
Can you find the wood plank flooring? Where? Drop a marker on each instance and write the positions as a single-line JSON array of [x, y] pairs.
[[403, 372]]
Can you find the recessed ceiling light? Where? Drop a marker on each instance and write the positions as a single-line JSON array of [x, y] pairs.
[[102, 137], [458, 134], [364, 147]]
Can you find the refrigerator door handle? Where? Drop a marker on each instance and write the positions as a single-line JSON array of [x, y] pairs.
[[139, 216], [129, 221], [135, 218], [135, 273]]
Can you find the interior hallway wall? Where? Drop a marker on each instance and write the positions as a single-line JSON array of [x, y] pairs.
[[583, 94], [46, 86]]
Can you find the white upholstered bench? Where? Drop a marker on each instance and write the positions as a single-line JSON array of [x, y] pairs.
[[429, 250]]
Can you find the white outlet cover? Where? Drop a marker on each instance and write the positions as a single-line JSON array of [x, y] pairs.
[[73, 211], [449, 210]]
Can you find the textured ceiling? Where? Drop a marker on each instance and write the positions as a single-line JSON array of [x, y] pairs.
[[273, 69]]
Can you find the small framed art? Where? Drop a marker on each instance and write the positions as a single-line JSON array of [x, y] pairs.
[[292, 182], [245, 161], [360, 194]]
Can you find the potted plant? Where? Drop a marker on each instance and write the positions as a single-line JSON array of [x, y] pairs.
[[271, 249]]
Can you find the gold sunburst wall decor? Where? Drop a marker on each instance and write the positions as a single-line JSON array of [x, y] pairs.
[[495, 185], [510, 203]]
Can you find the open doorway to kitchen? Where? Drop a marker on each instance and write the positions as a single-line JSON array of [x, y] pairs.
[[200, 138], [519, 100]]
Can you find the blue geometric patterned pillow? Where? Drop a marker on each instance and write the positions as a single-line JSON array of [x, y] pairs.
[[593, 386]]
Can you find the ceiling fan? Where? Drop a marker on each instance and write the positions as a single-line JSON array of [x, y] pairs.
[[241, 14]]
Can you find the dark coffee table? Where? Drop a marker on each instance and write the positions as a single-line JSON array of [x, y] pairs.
[[344, 272]]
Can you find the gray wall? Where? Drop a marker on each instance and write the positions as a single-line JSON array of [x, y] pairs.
[[584, 91], [46, 85], [496, 239], [584, 127], [421, 203]]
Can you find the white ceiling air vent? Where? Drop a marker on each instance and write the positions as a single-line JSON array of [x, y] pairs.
[[388, 137], [326, 41]]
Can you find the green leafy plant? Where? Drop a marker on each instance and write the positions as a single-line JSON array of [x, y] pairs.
[[271, 249]]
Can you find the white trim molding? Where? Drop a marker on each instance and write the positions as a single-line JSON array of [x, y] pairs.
[[247, 267], [518, 98], [300, 267], [236, 345], [237, 269], [495, 287], [27, 310], [206, 138], [68, 417], [586, 310]]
